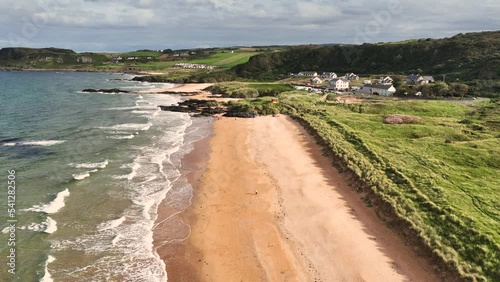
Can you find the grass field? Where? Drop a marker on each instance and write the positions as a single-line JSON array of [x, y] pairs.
[[225, 59], [440, 174]]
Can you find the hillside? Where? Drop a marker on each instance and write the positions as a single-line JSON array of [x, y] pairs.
[[464, 56], [28, 58]]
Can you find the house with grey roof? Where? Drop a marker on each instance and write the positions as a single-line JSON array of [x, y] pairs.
[[378, 89], [351, 76], [385, 80], [329, 75], [338, 84], [417, 79], [308, 73]]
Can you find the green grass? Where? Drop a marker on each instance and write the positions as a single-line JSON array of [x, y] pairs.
[[440, 175], [226, 59]]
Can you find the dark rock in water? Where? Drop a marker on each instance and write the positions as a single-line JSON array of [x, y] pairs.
[[9, 140], [112, 90], [119, 79], [174, 108], [198, 107]]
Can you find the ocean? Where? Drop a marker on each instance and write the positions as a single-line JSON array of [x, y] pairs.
[[87, 172]]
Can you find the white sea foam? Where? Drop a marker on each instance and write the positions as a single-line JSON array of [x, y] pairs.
[[142, 112], [83, 175], [90, 165], [135, 167], [47, 226], [43, 143], [121, 137], [51, 226], [111, 224], [47, 277], [129, 126], [127, 240], [116, 240], [136, 107], [54, 206]]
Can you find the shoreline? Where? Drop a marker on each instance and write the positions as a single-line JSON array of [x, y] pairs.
[[166, 243], [274, 235]]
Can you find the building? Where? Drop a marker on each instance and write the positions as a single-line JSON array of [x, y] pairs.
[[351, 76], [378, 89], [417, 79], [316, 80], [367, 81], [308, 73], [338, 84], [329, 75], [428, 78], [385, 80]]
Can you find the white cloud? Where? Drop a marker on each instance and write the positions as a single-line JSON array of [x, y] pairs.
[[311, 10], [119, 24]]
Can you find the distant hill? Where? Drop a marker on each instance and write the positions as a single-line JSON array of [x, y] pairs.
[[464, 56], [47, 58]]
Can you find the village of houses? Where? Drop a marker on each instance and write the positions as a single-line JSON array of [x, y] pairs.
[[340, 85]]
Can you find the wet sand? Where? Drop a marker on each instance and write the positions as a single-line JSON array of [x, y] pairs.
[[269, 207]]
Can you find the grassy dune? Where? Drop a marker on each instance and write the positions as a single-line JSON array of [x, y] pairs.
[[439, 175]]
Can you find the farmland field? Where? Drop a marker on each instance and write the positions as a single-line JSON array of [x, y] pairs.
[[225, 59]]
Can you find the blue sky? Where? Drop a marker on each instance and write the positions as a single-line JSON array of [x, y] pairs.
[[123, 25]]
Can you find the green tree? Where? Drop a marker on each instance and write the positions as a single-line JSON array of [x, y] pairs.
[[439, 89], [397, 81], [459, 89]]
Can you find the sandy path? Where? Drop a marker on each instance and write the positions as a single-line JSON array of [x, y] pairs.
[[305, 223]]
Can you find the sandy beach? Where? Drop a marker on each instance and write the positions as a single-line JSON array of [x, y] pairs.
[[267, 206], [191, 90]]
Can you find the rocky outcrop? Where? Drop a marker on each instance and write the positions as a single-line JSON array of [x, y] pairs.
[[84, 60], [197, 107], [207, 108]]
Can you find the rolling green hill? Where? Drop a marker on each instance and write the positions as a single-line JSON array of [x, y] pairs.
[[28, 58], [464, 56]]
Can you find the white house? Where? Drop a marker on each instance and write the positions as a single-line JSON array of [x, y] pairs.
[[316, 80], [428, 78], [378, 89], [419, 79], [329, 75], [308, 73], [385, 80], [338, 84], [351, 76], [367, 81]]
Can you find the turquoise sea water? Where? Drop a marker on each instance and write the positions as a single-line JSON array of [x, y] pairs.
[[90, 170]]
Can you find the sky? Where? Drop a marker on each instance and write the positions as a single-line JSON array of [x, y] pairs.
[[125, 25]]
